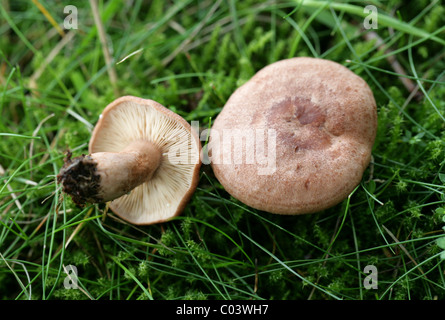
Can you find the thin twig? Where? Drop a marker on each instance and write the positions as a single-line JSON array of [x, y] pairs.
[[183, 46], [13, 195], [61, 132], [102, 254], [34, 134], [73, 280], [103, 41], [18, 279], [77, 229], [49, 17], [397, 67], [403, 249], [50, 57]]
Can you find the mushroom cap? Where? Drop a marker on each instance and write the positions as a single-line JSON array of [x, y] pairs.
[[164, 196], [324, 120]]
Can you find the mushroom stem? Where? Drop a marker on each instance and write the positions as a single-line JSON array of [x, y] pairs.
[[105, 176]]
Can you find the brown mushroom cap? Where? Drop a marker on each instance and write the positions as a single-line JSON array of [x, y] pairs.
[[129, 120], [325, 120]]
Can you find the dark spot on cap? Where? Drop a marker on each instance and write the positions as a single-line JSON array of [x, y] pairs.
[[298, 111], [307, 113], [299, 124]]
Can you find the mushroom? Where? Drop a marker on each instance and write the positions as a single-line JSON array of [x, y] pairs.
[[304, 129], [143, 158]]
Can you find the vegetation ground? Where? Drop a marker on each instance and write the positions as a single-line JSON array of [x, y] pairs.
[[190, 56]]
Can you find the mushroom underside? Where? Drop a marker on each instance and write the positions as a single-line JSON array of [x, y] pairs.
[[128, 139]]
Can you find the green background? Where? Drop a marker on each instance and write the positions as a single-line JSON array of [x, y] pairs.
[[190, 56]]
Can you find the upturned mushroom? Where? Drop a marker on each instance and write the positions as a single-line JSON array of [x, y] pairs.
[[305, 128], [143, 158]]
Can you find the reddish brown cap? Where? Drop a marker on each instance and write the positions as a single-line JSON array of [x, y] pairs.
[[318, 120], [131, 119]]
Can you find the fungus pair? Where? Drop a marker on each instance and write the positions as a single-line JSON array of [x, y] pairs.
[[145, 159]]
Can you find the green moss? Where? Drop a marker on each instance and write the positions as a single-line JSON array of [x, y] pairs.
[[219, 248]]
